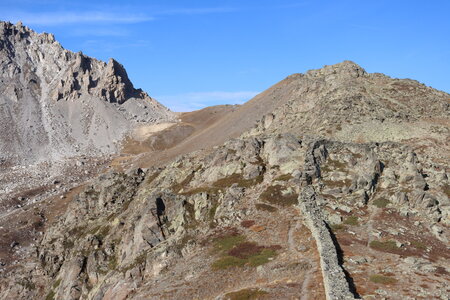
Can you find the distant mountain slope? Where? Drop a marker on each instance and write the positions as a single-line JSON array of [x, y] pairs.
[[55, 103], [346, 102], [342, 102]]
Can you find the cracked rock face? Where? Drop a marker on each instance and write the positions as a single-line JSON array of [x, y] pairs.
[[56, 104]]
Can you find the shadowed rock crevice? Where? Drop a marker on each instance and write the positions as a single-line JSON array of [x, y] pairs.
[[335, 281], [340, 256]]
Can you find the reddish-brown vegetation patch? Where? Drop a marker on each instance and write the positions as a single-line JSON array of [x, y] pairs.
[[247, 223]]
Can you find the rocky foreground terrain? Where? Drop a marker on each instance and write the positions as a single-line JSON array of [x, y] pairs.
[[333, 184]]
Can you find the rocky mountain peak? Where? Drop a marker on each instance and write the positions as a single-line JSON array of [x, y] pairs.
[[20, 32], [117, 81], [67, 98], [345, 69]]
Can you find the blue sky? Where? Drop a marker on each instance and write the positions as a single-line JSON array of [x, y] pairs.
[[191, 54]]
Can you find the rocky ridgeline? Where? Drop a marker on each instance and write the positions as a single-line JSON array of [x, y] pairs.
[[56, 103], [346, 103], [132, 233]]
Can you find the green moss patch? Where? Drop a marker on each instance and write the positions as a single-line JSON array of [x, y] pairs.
[[237, 252], [380, 202], [56, 283], [224, 183], [50, 295], [239, 180], [113, 263], [337, 227], [384, 246], [227, 242], [418, 245], [380, 279], [246, 294], [352, 220], [228, 262], [273, 195], [284, 177], [265, 207], [245, 250], [262, 258]]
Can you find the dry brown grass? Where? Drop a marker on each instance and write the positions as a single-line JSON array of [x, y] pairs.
[[388, 246], [265, 207], [381, 279], [273, 195], [246, 294], [220, 184], [248, 223]]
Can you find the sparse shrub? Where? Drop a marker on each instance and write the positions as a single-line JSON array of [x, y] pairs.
[[336, 227], [103, 232], [418, 245], [245, 250], [239, 179], [56, 283], [352, 220], [246, 294], [112, 263], [384, 246], [273, 195], [149, 179], [50, 295], [227, 242], [382, 279], [284, 177], [237, 252], [262, 258], [265, 207], [380, 202], [228, 262], [247, 223]]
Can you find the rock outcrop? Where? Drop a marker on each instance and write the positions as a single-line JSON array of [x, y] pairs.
[[56, 104]]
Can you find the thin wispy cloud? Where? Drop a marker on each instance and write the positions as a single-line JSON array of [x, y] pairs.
[[196, 11], [67, 18], [197, 100], [100, 31], [112, 15], [103, 45]]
